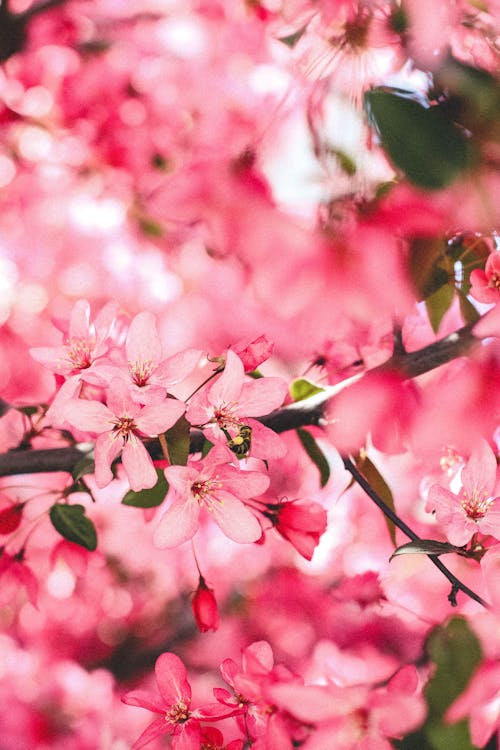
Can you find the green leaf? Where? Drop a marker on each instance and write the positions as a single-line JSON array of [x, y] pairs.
[[428, 264], [291, 39], [207, 447], [85, 466], [302, 388], [425, 547], [315, 454], [378, 483], [148, 498], [469, 312], [438, 304], [72, 524], [421, 141], [28, 410], [177, 438], [150, 227]]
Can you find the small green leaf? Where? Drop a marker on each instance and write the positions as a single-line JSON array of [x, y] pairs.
[[85, 466], [302, 388], [428, 264], [72, 524], [421, 141], [315, 454], [207, 447], [424, 547], [177, 438], [438, 304], [291, 39], [28, 410], [148, 498], [469, 312], [378, 483], [150, 227]]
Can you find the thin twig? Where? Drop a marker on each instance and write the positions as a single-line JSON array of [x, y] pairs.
[[456, 584]]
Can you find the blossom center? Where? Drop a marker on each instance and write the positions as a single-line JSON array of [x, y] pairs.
[[178, 713], [225, 416], [79, 353], [204, 492], [123, 426], [141, 371], [494, 281], [476, 504]]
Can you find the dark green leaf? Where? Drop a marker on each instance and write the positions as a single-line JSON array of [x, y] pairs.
[[378, 483], [207, 447], [428, 264], [28, 410], [421, 141], [150, 227], [425, 547], [315, 454], [84, 466], [148, 498], [72, 524], [302, 388], [177, 438], [438, 304], [469, 312], [291, 39]]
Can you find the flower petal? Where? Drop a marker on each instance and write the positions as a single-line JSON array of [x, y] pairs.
[[236, 521], [155, 729], [178, 524], [160, 417], [138, 465], [171, 677], [107, 448], [91, 416], [481, 470], [143, 342]]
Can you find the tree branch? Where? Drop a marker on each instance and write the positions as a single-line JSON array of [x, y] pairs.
[[303, 413], [456, 584]]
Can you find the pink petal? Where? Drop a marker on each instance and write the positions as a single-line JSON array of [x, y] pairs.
[[258, 658], [91, 416], [107, 448], [481, 470], [188, 738], [157, 418], [155, 729], [54, 358], [138, 465], [176, 368], [79, 320], [143, 343], [171, 677], [120, 401], [227, 388], [243, 484], [490, 523], [265, 442], [261, 396], [236, 521], [181, 478], [178, 524], [142, 699]]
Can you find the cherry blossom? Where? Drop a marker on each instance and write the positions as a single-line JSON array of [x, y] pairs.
[[174, 706], [474, 509], [485, 285], [218, 487], [229, 403], [119, 426], [301, 523]]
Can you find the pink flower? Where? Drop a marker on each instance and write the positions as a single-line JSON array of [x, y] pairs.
[[300, 523], [481, 703], [173, 705], [253, 353], [213, 739], [83, 342], [485, 285], [230, 403], [148, 375], [216, 486], [473, 509], [118, 425], [14, 573]]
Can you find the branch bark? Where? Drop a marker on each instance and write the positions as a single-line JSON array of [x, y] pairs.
[[304, 413]]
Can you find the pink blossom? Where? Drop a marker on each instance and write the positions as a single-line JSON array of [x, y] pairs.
[[118, 425], [147, 373], [232, 400], [485, 285], [253, 353], [473, 509], [301, 523], [219, 488], [212, 739], [14, 573], [173, 705], [481, 703]]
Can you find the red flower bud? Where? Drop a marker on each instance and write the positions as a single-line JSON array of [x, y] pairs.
[[10, 518], [205, 609], [300, 523]]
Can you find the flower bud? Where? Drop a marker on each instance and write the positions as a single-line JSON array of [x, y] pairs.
[[10, 518], [205, 609]]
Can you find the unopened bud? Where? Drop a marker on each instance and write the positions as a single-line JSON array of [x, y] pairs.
[[205, 609]]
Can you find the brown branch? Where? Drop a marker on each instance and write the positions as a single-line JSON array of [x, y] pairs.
[[304, 413]]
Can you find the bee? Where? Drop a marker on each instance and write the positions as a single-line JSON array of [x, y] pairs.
[[240, 444]]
